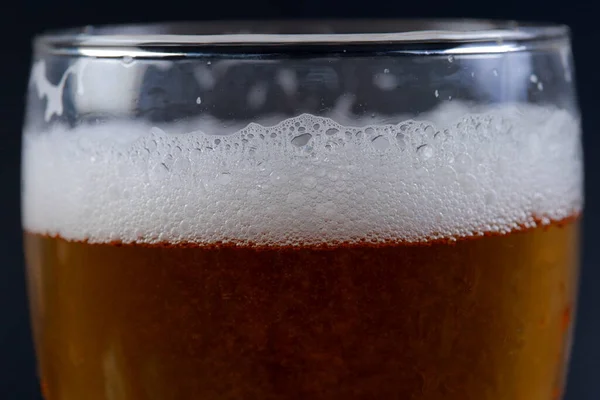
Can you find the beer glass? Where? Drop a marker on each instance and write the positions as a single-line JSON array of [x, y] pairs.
[[303, 210]]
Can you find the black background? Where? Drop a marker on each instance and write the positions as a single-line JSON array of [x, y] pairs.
[[18, 22]]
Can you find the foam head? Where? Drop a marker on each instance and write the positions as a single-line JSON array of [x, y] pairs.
[[306, 180]]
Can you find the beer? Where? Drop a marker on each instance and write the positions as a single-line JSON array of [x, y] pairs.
[[428, 260], [482, 318]]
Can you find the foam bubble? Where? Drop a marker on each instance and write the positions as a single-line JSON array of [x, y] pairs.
[[305, 180]]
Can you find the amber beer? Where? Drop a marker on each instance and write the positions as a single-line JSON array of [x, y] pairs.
[[485, 318], [272, 264]]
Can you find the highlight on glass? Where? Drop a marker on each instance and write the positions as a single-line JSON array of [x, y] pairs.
[[303, 210]]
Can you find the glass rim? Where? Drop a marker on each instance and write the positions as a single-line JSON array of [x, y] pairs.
[[403, 36]]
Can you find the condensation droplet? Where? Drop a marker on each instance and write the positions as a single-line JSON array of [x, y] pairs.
[[257, 95], [386, 81], [436, 93], [287, 80], [540, 86], [198, 100], [450, 58], [533, 78], [495, 72]]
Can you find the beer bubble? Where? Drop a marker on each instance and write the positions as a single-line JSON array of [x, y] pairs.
[[277, 177], [468, 182], [309, 181], [181, 165], [425, 152], [463, 163], [326, 209], [301, 140], [159, 173], [333, 175], [306, 179], [224, 178], [295, 198], [380, 143]]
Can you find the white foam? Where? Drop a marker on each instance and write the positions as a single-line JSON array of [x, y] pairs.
[[306, 180]]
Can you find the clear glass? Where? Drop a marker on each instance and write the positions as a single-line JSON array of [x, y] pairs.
[[314, 210]]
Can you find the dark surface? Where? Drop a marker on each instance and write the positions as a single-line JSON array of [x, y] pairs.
[[20, 20]]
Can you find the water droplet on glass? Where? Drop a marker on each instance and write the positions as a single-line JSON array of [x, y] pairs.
[[533, 78], [127, 60], [386, 71], [386, 81], [257, 95], [540, 86], [495, 72], [287, 81], [450, 59], [198, 100], [301, 140], [436, 93]]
